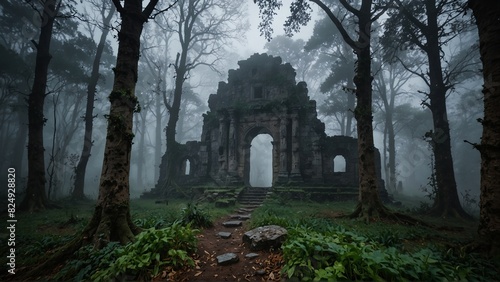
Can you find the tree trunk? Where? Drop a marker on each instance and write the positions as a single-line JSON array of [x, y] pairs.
[[158, 131], [487, 14], [391, 148], [140, 152], [172, 122], [19, 147], [111, 220], [174, 109], [369, 201], [351, 103], [446, 202], [35, 198], [78, 191]]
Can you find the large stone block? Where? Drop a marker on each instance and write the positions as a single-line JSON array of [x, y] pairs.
[[265, 237]]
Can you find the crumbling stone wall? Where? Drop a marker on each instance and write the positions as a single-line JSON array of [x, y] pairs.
[[262, 97]]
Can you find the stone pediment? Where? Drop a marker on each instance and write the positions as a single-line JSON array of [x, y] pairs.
[[261, 82]]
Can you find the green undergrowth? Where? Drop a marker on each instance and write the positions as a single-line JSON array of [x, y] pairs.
[[337, 254], [152, 250], [42, 233], [322, 247]]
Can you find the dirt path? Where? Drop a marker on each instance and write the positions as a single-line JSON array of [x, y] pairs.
[[265, 267]]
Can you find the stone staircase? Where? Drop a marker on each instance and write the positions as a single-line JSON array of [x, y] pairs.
[[254, 196]]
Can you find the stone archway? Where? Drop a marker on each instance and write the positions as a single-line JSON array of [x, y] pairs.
[[246, 147], [262, 97]]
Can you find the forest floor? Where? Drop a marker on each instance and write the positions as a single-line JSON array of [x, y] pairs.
[[40, 233], [265, 267]]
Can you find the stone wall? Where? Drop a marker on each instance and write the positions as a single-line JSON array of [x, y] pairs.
[[262, 97]]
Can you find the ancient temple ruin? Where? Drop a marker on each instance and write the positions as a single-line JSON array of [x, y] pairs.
[[262, 97]]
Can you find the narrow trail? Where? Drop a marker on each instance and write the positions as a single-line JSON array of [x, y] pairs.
[[265, 266]]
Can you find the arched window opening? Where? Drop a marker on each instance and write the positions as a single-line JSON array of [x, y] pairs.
[[187, 167], [261, 161], [339, 164]]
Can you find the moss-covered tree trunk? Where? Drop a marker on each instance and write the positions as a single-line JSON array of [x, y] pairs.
[[487, 14], [369, 201], [35, 198], [78, 191], [111, 220]]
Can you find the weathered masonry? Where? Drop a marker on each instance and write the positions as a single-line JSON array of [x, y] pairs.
[[262, 97]]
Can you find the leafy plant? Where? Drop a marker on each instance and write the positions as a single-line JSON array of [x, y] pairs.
[[87, 261], [196, 216], [49, 242], [151, 250], [151, 222], [387, 238], [339, 254]]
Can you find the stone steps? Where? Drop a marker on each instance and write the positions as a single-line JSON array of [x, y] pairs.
[[253, 197], [250, 200]]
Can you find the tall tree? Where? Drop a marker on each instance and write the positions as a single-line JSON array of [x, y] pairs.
[[388, 84], [111, 220], [369, 200], [204, 28], [78, 190], [155, 55], [487, 14], [36, 198], [428, 26], [15, 74]]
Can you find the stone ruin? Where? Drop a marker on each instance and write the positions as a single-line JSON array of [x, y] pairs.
[[262, 97]]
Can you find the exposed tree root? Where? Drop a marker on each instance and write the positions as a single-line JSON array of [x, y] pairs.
[[449, 212], [61, 255], [382, 212]]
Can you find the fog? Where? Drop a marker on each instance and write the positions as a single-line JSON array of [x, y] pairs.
[[65, 103], [261, 161]]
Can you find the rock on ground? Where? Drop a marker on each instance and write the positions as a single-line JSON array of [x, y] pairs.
[[227, 258], [265, 237]]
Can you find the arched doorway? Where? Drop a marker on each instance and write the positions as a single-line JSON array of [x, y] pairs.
[[185, 167], [339, 164], [261, 161]]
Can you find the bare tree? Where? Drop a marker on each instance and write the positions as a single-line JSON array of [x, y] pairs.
[[428, 26], [204, 28], [155, 54], [388, 84], [36, 198], [78, 190]]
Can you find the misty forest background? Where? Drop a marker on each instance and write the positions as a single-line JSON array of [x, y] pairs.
[[95, 95], [321, 59]]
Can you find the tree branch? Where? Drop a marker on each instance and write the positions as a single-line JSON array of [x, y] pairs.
[[337, 23], [415, 21], [149, 8], [350, 8], [119, 7], [160, 11]]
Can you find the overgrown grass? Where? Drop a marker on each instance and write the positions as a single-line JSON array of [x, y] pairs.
[[322, 247], [43, 232]]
